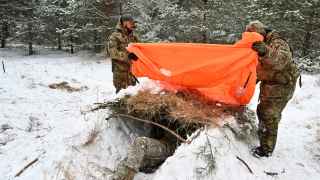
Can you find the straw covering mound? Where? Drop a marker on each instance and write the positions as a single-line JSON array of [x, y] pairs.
[[183, 112]]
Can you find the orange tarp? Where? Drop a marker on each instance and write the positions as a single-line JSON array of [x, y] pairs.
[[224, 73]]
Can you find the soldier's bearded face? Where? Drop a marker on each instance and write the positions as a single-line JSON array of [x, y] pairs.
[[250, 29], [130, 25]]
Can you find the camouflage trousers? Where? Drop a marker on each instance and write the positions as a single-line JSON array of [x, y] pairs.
[[122, 78], [144, 154], [273, 99]]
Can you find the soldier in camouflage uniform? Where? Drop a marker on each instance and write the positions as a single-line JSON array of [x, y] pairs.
[[117, 43], [145, 153], [278, 75]]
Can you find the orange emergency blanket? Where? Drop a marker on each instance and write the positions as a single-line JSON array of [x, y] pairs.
[[223, 73]]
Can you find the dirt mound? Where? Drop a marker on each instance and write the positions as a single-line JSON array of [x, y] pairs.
[[66, 87], [182, 112]]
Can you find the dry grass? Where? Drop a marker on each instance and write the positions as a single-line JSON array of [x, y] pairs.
[[185, 107], [182, 112], [93, 134], [64, 172], [67, 175]]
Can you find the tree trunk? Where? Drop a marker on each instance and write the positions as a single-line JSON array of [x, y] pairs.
[[4, 33], [59, 42], [71, 45], [120, 8], [3, 43], [204, 21], [204, 32], [96, 46], [307, 38], [30, 39], [30, 48], [306, 44], [71, 49]]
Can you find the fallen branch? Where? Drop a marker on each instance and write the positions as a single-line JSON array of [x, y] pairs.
[[4, 69], [156, 124], [274, 173], [241, 160], [26, 167], [195, 135], [208, 141], [271, 173], [97, 107]]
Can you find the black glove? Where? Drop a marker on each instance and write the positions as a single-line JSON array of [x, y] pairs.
[[260, 47], [132, 56]]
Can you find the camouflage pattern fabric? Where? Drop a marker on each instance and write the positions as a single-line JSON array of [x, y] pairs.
[[122, 77], [116, 48], [278, 75], [123, 172], [145, 154]]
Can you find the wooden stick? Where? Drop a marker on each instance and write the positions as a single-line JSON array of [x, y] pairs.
[[4, 69], [241, 160], [98, 106], [156, 124], [208, 141], [196, 135], [271, 173], [26, 167]]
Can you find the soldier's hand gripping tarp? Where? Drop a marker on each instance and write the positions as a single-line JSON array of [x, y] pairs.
[[224, 73]]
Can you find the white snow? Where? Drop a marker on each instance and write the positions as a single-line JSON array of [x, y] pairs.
[[44, 123]]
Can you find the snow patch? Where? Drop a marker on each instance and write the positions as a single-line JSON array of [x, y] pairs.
[[39, 122]]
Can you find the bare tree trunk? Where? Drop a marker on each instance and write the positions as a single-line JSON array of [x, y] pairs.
[[71, 45], [307, 38], [71, 49], [3, 43], [204, 21], [4, 33], [306, 44], [30, 48], [30, 39], [96, 46], [59, 42], [120, 8]]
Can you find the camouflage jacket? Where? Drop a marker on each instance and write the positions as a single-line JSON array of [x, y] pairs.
[[117, 43], [277, 65]]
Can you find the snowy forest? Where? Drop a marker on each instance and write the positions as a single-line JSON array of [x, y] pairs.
[[203, 95], [85, 24]]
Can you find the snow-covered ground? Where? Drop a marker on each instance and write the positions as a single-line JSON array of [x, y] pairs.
[[39, 122]]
